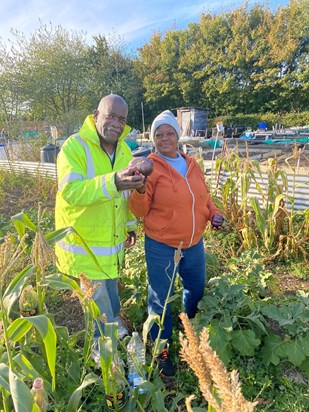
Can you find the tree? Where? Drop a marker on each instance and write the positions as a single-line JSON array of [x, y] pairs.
[[248, 60], [158, 66], [12, 100], [111, 70], [55, 71]]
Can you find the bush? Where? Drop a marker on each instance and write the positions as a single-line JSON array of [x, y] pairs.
[[292, 119]]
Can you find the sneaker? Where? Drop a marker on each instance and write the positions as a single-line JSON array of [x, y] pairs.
[[122, 330], [165, 364]]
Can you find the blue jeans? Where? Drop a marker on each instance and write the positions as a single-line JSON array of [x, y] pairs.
[[107, 298], [160, 267]]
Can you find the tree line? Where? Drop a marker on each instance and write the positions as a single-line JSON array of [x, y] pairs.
[[248, 60]]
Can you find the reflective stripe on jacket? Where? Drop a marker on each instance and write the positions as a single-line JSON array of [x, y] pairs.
[[88, 200]]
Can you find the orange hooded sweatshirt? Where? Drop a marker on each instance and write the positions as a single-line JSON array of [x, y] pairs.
[[174, 208]]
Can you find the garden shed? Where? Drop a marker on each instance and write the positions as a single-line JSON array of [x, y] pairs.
[[193, 121]]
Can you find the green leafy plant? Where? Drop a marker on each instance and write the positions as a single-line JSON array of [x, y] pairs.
[[249, 270], [18, 330], [293, 320], [234, 320], [134, 281]]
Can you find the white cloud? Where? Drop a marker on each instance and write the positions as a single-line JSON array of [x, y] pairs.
[[134, 20]]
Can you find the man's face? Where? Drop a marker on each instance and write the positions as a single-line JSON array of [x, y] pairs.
[[111, 118]]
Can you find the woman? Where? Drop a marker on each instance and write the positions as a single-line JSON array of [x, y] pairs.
[[175, 205]]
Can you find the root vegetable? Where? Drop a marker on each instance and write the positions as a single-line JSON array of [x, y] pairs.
[[143, 165]]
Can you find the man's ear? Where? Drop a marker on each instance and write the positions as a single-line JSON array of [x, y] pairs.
[[95, 114]]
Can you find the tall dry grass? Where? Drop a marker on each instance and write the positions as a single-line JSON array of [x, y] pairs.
[[221, 389]]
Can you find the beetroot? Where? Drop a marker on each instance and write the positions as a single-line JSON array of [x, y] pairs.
[[143, 165]]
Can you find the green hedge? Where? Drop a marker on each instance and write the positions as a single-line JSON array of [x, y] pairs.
[[252, 120]]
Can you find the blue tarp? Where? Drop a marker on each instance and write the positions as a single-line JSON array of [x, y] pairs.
[[284, 141], [213, 143]]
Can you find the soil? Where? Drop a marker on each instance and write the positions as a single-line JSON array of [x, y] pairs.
[[289, 284], [70, 313]]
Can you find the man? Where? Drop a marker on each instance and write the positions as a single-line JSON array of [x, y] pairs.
[[93, 191]]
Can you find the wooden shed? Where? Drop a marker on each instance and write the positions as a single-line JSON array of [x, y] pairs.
[[193, 121]]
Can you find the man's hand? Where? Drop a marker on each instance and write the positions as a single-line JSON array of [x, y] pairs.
[[217, 221], [130, 240], [126, 179]]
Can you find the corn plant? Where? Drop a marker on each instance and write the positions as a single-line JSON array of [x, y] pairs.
[[234, 192], [23, 363], [297, 236], [267, 225], [13, 388]]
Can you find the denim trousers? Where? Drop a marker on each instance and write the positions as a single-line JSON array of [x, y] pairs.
[[107, 298], [160, 267]]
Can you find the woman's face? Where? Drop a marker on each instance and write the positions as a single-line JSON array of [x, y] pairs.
[[166, 140]]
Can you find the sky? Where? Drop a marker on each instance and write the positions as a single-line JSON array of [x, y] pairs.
[[134, 21]]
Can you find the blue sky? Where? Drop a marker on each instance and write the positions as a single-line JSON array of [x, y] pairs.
[[135, 21]]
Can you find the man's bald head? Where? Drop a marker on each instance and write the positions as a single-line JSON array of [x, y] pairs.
[[110, 99]]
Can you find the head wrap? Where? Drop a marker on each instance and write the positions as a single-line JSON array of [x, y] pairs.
[[165, 117]]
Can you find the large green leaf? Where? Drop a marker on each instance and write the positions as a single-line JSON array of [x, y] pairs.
[[21, 221], [59, 281], [45, 328], [158, 402], [21, 395], [106, 358], [254, 319], [4, 376], [18, 329], [219, 340], [295, 352], [59, 234], [304, 340], [29, 370], [305, 366], [245, 342], [272, 350], [77, 394], [14, 289], [259, 216], [110, 330], [152, 318], [172, 298]]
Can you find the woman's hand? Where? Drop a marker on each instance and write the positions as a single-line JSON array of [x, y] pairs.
[[217, 221]]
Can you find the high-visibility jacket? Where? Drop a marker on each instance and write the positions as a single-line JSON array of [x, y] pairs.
[[88, 200]]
